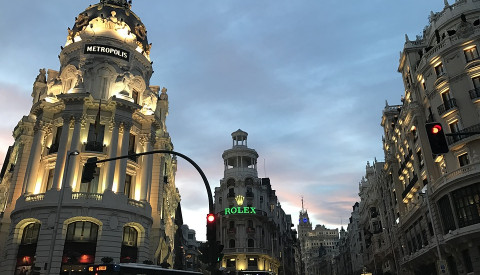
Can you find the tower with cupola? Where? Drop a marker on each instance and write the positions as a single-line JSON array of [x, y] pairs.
[[252, 226]]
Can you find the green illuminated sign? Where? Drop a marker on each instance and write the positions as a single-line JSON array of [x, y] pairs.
[[240, 210]]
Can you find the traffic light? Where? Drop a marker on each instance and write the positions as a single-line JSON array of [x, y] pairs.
[[89, 170], [211, 228], [436, 137], [219, 251]]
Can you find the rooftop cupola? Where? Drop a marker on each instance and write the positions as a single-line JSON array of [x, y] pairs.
[[240, 161], [239, 138]]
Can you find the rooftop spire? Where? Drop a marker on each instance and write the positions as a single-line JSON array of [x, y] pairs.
[[120, 3]]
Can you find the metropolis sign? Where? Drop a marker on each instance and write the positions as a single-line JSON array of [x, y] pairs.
[[106, 50]]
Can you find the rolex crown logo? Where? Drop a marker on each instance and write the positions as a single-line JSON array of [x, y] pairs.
[[239, 199]]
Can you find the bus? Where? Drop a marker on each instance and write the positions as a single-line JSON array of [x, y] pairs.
[[134, 269]]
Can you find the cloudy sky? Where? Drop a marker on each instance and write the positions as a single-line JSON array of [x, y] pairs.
[[307, 79]]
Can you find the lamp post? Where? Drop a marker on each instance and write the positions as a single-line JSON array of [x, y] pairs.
[[59, 206], [425, 193]]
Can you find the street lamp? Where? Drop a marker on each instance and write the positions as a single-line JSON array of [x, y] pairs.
[[425, 193], [59, 206]]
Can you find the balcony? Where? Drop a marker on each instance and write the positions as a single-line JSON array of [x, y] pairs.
[[453, 139], [231, 230], [36, 197], [93, 146], [447, 107]]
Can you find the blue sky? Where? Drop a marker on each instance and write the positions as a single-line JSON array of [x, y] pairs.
[[307, 79]]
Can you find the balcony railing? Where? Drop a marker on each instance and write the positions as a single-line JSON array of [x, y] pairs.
[[93, 146], [136, 203], [452, 139], [86, 196], [36, 197], [447, 106]]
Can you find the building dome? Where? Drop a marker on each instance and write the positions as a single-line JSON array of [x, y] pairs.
[[113, 15]]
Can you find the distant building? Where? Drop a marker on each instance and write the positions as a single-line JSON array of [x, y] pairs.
[[99, 104], [252, 226], [319, 246]]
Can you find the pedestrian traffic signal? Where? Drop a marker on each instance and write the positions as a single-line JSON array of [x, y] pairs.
[[219, 251], [89, 170], [436, 137]]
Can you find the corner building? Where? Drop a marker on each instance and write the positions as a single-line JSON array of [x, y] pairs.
[[99, 104], [252, 226]]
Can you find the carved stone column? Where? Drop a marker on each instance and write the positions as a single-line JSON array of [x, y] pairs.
[[147, 164], [34, 158], [61, 153], [110, 166], [74, 146], [123, 162]]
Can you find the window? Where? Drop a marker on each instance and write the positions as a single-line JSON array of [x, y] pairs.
[[82, 231], [439, 70], [251, 243], [56, 141], [252, 262], [128, 187], [129, 251], [95, 138], [454, 128], [467, 205], [463, 160], [130, 236], [231, 263], [446, 214], [231, 224], [131, 147], [135, 96], [261, 199], [231, 243], [471, 53], [49, 184], [220, 201], [30, 233], [231, 193]]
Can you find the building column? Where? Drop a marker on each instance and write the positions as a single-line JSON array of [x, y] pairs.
[[123, 162], [146, 167], [30, 179], [110, 166], [74, 146], [61, 153]]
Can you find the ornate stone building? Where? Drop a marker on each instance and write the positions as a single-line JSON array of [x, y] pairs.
[[420, 212], [99, 104], [252, 226]]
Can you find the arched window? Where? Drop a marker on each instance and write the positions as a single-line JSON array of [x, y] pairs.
[[129, 245], [80, 244], [231, 243], [27, 248]]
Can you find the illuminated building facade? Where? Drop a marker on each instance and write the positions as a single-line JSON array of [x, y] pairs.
[[252, 226], [420, 212], [99, 104]]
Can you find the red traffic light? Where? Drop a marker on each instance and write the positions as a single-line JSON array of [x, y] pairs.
[[436, 129], [211, 218]]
